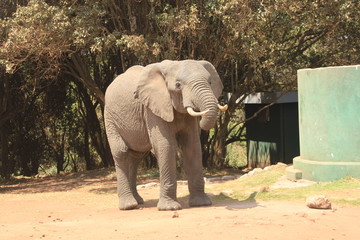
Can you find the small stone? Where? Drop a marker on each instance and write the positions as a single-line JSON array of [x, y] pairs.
[[264, 189], [175, 215], [150, 184], [302, 214], [318, 202]]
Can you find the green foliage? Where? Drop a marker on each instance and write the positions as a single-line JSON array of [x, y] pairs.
[[236, 155], [255, 46], [343, 190], [37, 33]]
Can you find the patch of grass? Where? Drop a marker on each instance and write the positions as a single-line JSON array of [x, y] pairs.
[[345, 188], [246, 188], [354, 202], [251, 182], [342, 191]]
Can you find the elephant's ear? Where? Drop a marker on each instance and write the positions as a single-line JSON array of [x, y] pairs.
[[153, 93], [215, 81]]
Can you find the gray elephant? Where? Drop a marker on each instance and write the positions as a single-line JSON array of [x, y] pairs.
[[158, 107]]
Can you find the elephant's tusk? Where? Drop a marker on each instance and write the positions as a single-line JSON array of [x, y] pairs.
[[195, 114], [223, 108]]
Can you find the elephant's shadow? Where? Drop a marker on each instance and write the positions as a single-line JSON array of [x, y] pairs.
[[219, 200], [234, 204]]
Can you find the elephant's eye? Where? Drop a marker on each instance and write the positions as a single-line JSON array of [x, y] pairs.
[[177, 85]]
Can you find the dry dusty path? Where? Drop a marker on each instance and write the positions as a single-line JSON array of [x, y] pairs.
[[83, 207]]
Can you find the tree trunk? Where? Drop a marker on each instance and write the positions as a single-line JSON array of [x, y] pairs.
[[218, 145], [205, 148], [88, 160], [98, 138], [60, 153], [4, 160], [218, 152], [80, 71]]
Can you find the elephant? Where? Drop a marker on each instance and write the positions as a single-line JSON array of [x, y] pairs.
[[158, 108]]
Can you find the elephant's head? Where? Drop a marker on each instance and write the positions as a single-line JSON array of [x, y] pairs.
[[187, 86]]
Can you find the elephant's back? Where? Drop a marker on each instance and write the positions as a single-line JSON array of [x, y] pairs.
[[124, 84], [121, 91]]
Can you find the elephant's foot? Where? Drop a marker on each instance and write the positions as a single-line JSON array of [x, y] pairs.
[[166, 204], [199, 200], [128, 203]]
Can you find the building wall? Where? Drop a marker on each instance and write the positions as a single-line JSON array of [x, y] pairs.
[[273, 135]]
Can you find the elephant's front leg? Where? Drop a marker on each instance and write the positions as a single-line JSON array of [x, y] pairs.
[[164, 145], [191, 146], [167, 165]]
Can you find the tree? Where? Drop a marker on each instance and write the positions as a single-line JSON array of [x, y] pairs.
[[255, 46], [265, 42]]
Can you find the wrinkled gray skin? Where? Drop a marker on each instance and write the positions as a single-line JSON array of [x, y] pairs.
[[145, 109]]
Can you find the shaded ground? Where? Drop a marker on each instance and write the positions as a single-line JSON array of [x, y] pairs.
[[84, 206]]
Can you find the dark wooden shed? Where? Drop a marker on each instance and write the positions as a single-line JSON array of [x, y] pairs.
[[273, 135]]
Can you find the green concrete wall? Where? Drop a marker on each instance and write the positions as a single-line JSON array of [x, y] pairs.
[[329, 123]]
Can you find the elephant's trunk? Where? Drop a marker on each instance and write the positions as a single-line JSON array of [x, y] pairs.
[[209, 119], [204, 101]]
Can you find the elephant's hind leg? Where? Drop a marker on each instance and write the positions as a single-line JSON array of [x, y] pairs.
[[122, 158], [127, 200]]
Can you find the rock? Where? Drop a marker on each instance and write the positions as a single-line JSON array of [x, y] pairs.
[[264, 189], [220, 179], [267, 168], [318, 202], [228, 177], [227, 192], [182, 182], [281, 164], [213, 179], [150, 184], [244, 176], [255, 171]]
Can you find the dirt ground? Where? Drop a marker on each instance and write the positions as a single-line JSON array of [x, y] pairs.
[[84, 206]]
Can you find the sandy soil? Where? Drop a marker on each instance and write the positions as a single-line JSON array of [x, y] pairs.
[[83, 206]]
